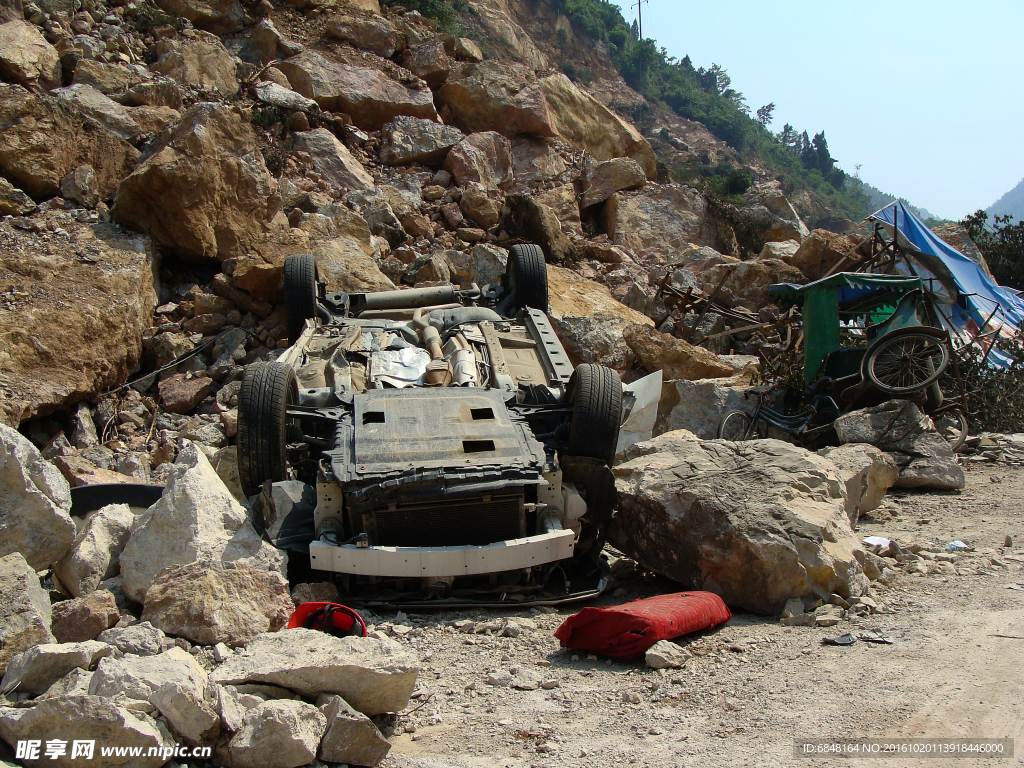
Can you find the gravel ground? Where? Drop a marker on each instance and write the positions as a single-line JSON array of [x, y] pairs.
[[497, 690]]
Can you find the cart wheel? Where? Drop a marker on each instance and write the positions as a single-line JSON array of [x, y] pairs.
[[596, 394], [267, 391], [299, 292], [527, 277], [952, 425], [906, 363], [736, 426]]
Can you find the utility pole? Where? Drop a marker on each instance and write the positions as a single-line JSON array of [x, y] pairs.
[[639, 12]]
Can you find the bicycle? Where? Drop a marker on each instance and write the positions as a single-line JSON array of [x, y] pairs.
[[808, 426]]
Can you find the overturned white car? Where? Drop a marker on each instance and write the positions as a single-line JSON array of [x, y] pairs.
[[433, 443]]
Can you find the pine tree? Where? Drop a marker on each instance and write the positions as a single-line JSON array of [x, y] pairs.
[[636, 30]]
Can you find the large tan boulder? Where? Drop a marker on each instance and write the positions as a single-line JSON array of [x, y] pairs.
[[504, 33], [748, 281], [367, 95], [582, 120], [203, 190], [820, 252], [957, 236], [868, 473], [481, 158], [371, 33], [104, 110], [758, 522], [498, 96], [588, 321], [65, 345], [198, 60], [675, 358], [658, 220], [412, 140], [609, 177], [340, 240], [43, 139], [332, 160], [26, 58], [700, 406], [25, 611], [222, 17]]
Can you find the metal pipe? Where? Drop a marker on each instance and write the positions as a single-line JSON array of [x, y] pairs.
[[415, 297]]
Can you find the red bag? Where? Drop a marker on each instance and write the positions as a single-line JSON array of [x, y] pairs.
[[331, 618], [626, 631]]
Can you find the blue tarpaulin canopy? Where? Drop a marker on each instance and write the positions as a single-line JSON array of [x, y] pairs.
[[979, 300]]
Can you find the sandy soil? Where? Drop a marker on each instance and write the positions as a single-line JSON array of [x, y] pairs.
[[753, 686]]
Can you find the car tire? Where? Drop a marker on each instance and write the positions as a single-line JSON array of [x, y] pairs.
[[596, 394], [527, 277], [267, 391], [299, 292]]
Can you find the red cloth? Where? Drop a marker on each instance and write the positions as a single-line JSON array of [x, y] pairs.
[[626, 631]]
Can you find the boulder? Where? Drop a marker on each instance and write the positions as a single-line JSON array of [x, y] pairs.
[[36, 669], [868, 472], [498, 96], [339, 238], [758, 522], [80, 186], [94, 555], [483, 158], [197, 518], [197, 60], [374, 675], [14, 202], [588, 321], [104, 110], [11, 10], [529, 219], [211, 602], [203, 190], [609, 177], [478, 207], [181, 392], [351, 737], [367, 95], [43, 139], [278, 734], [748, 281], [160, 92], [333, 161], [26, 58], [92, 719], [924, 458], [34, 503], [265, 45], [83, 618], [280, 96], [74, 682], [784, 250], [583, 121], [106, 78], [413, 140], [562, 201], [675, 358], [222, 17], [429, 62], [24, 609], [465, 49], [700, 406], [506, 35], [535, 159], [142, 639], [186, 712], [139, 677], [658, 220], [68, 345], [819, 252], [957, 236], [371, 33]]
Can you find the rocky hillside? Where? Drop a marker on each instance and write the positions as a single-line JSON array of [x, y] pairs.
[[1010, 204], [161, 160]]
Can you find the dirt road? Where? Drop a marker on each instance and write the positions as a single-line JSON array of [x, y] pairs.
[[753, 686]]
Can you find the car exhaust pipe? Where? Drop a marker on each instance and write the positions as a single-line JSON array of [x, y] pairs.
[[439, 371]]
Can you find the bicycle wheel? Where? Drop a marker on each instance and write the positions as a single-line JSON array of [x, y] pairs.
[[952, 425], [906, 363], [737, 425]]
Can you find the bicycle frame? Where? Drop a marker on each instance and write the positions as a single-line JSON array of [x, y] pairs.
[[797, 425]]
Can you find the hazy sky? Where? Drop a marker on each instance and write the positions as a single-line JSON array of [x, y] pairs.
[[925, 95]]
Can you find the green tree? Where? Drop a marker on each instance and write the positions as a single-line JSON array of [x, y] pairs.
[[764, 114], [1002, 242]]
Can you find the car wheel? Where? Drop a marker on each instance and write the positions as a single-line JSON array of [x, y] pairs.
[[527, 275], [299, 292], [267, 391], [596, 394]]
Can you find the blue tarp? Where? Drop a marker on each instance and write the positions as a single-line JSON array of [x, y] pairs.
[[979, 295]]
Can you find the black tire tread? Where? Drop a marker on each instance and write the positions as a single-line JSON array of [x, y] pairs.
[[531, 272], [299, 292], [596, 393], [262, 424]]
